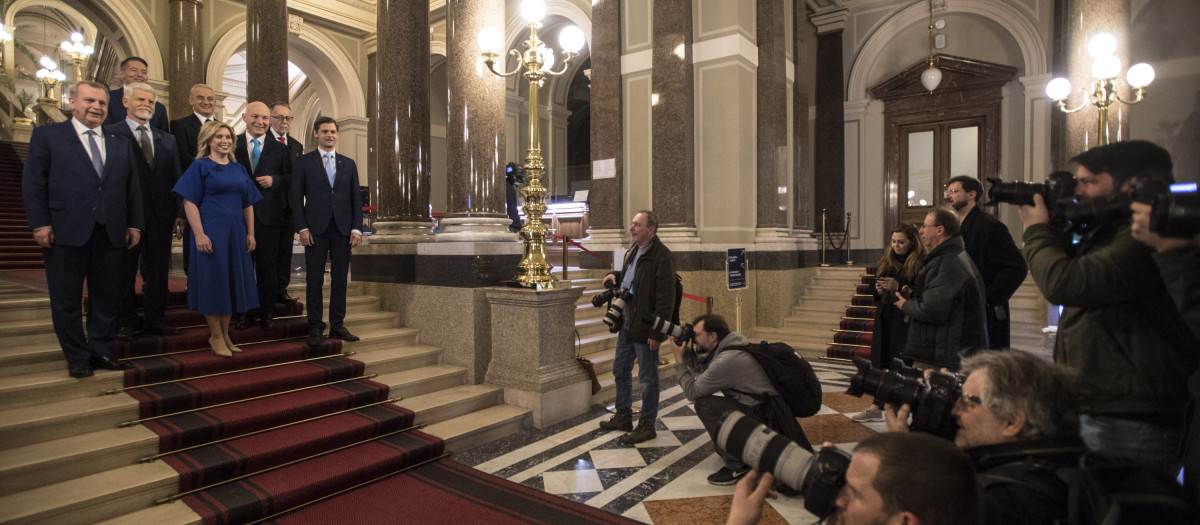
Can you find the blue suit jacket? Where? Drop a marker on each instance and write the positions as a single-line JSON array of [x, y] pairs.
[[117, 111], [315, 203], [61, 189], [156, 181]]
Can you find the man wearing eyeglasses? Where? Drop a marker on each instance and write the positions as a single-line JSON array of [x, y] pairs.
[[281, 123], [1018, 421]]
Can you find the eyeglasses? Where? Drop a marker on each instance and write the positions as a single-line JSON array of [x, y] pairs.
[[951, 192], [281, 117], [967, 402]]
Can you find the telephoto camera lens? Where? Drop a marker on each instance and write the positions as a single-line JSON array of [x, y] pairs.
[[681, 333], [931, 400], [612, 318], [818, 476]]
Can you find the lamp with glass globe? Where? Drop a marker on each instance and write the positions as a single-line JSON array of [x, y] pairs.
[[1103, 92], [78, 52], [535, 63], [49, 76]]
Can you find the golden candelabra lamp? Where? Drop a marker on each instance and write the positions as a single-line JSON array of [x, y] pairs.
[[1104, 91], [49, 76], [537, 63], [78, 52]]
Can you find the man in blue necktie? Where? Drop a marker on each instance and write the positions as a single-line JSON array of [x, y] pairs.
[[328, 217]]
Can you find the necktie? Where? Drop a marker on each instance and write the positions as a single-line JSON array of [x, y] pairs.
[[97, 161], [330, 170], [283, 140], [147, 147], [254, 154]]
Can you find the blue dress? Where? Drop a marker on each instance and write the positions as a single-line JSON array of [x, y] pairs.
[[221, 282]]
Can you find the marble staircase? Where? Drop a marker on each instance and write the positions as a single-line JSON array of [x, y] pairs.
[[815, 316]]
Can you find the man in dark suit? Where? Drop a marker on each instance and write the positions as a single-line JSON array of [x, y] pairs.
[[158, 170], [281, 123], [187, 133], [270, 164], [328, 216], [994, 253], [84, 205], [133, 70]]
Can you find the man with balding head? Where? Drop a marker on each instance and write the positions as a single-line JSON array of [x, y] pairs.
[[270, 165]]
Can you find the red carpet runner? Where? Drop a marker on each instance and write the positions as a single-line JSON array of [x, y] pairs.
[[282, 424], [853, 336]]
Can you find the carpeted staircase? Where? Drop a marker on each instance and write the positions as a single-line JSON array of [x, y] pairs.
[[17, 249], [818, 312], [853, 336]]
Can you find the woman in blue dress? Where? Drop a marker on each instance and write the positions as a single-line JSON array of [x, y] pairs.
[[218, 194]]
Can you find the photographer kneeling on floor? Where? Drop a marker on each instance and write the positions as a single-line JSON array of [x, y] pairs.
[[721, 365]]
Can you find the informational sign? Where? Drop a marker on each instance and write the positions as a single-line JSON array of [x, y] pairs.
[[736, 268], [604, 169]]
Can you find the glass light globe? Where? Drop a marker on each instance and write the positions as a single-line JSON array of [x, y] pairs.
[[533, 10], [1107, 67], [47, 63], [1140, 75], [571, 39], [77, 37], [59, 75], [490, 40], [930, 78], [1058, 88], [547, 56], [1102, 45], [65, 46]]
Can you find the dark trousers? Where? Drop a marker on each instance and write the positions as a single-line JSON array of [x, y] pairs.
[[711, 410], [283, 263], [998, 329], [153, 254], [97, 261], [329, 245], [269, 241]]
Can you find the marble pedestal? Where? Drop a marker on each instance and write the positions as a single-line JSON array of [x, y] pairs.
[[533, 356]]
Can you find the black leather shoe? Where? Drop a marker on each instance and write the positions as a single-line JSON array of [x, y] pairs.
[[286, 299], [343, 334], [243, 322], [161, 328], [266, 323], [125, 333], [80, 370], [109, 363], [314, 336]]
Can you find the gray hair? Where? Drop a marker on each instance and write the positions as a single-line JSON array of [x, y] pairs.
[[945, 217], [1017, 381], [142, 86], [74, 91]]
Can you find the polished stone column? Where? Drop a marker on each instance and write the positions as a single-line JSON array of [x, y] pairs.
[[829, 147], [475, 168], [1088, 18], [772, 117], [373, 129], [673, 118], [403, 124], [802, 175], [186, 61], [605, 202], [266, 51]]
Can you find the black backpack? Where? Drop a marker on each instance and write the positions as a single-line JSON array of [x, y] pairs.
[[792, 376], [1107, 491]]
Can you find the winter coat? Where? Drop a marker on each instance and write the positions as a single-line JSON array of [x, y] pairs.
[[946, 310], [653, 291]]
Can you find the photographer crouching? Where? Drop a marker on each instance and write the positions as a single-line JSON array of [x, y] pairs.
[[720, 364]]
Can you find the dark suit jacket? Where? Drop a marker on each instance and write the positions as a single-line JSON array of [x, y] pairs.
[[158, 201], [276, 161], [314, 202], [995, 255], [294, 145], [61, 189], [187, 134], [117, 112]]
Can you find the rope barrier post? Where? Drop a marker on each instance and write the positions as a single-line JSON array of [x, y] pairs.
[[849, 261], [708, 303], [566, 242], [824, 233]]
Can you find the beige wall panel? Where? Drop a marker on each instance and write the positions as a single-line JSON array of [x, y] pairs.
[[717, 18], [725, 151], [637, 23]]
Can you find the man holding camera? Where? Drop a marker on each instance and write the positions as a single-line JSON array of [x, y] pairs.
[[946, 307], [719, 365], [1018, 420], [650, 277], [1118, 328]]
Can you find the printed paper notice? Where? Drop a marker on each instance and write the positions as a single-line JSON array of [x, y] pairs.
[[604, 169]]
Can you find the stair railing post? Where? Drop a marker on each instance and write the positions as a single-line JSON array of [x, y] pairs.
[[566, 243], [849, 261], [824, 234]]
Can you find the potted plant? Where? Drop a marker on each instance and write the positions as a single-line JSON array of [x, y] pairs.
[[24, 100]]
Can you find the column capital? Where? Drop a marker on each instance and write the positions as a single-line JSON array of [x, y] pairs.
[[830, 19]]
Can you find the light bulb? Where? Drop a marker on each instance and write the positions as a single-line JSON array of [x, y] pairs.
[[1058, 88], [533, 10], [547, 56], [1140, 75], [930, 78], [1102, 45], [490, 40], [65, 46], [77, 37], [1107, 67], [47, 63], [571, 39]]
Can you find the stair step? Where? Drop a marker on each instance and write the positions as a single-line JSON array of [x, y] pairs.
[[91, 498], [477, 428]]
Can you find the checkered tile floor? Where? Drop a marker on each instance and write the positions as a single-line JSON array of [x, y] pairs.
[[576, 460]]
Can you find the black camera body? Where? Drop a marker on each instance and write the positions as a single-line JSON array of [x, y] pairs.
[[616, 298], [681, 333], [818, 477], [1058, 186], [1176, 215], [932, 400]]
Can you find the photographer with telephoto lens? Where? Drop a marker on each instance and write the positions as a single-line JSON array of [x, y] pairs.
[[1118, 328], [717, 366]]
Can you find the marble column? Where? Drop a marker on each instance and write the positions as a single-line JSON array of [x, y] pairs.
[[186, 66], [1088, 18], [673, 117], [802, 175], [475, 169], [266, 51], [402, 71], [373, 129], [772, 118], [829, 146], [605, 202]]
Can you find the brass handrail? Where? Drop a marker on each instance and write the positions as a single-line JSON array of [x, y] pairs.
[[227, 372]]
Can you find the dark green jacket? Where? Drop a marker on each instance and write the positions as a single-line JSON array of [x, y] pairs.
[[1118, 327], [653, 291]]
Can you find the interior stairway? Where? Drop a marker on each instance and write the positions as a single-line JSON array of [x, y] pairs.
[[64, 460], [818, 311], [17, 249]]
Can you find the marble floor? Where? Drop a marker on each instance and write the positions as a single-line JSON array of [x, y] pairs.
[[663, 480]]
